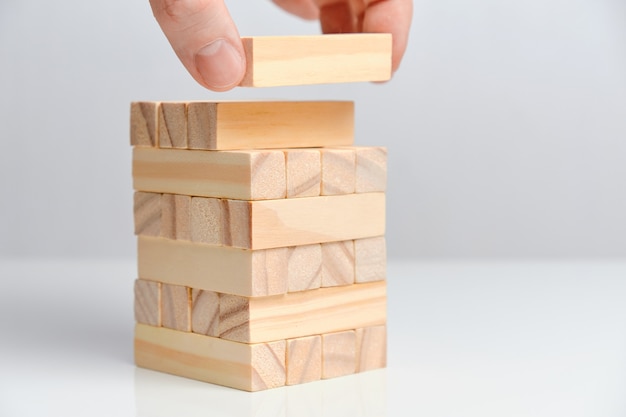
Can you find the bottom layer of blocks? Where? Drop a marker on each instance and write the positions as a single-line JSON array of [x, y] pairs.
[[259, 366]]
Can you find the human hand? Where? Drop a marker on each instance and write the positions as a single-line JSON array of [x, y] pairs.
[[207, 42]]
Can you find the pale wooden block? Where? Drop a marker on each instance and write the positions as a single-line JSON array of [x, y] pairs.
[[176, 217], [175, 307], [298, 60], [205, 312], [305, 313], [236, 223], [338, 263], [147, 302], [147, 213], [304, 267], [338, 171], [371, 169], [338, 354], [172, 125], [239, 125], [304, 172], [239, 175], [206, 220], [304, 360], [370, 259], [237, 365], [213, 268], [371, 348], [143, 123]]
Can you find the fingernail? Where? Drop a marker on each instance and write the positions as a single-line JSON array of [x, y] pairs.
[[219, 64]]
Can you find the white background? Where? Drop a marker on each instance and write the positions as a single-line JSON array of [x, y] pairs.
[[505, 124]]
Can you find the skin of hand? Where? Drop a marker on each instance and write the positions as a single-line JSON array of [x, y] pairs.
[[208, 43]]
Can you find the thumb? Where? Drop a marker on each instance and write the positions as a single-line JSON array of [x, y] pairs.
[[205, 39]]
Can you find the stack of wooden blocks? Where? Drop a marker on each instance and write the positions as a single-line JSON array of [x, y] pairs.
[[261, 249]]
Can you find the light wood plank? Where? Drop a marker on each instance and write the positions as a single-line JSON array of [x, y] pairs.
[[147, 213], [176, 216], [337, 263], [143, 123], [298, 60], [239, 175], [371, 169], [304, 360], [148, 302], [304, 172], [306, 313], [236, 365], [205, 312], [304, 267], [370, 259], [206, 220], [338, 171], [172, 125], [175, 307], [239, 125], [213, 268], [338, 354], [371, 348]]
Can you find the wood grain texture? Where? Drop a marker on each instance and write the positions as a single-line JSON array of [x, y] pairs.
[[371, 348], [172, 125], [176, 216], [175, 307], [338, 354], [147, 213], [143, 123], [306, 313], [239, 175], [236, 365], [370, 258], [338, 171], [148, 302], [236, 223], [304, 360], [206, 220], [213, 268], [237, 125], [304, 172], [371, 169], [205, 312], [300, 60], [304, 267], [338, 263]]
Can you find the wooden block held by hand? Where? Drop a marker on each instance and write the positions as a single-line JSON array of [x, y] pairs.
[[304, 172], [304, 360], [175, 307], [371, 169], [148, 302], [143, 123], [337, 263], [370, 257], [147, 210], [300, 60], [338, 354]]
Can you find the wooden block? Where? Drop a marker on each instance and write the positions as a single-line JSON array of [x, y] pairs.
[[304, 360], [172, 125], [371, 348], [304, 267], [370, 259], [239, 175], [337, 263], [147, 208], [371, 169], [235, 223], [270, 125], [176, 217], [308, 220], [338, 354], [206, 220], [237, 365], [205, 312], [306, 313], [213, 268], [143, 123], [175, 307], [147, 302], [298, 60], [338, 171], [304, 172]]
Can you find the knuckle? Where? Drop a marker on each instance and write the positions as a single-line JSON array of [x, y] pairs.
[[180, 10]]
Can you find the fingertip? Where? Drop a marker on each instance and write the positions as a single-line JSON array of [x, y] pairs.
[[220, 64]]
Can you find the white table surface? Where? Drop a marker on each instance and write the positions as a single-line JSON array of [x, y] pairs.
[[465, 339]]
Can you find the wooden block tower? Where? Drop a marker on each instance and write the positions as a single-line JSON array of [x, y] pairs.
[[261, 249]]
